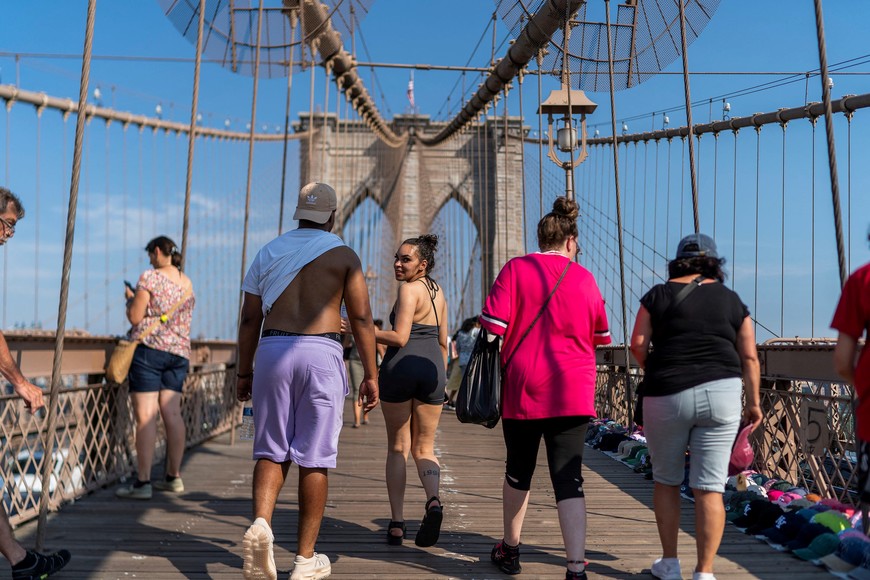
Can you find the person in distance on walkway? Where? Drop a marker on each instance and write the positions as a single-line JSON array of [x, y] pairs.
[[702, 341], [852, 319], [26, 564], [160, 310], [551, 314], [293, 291], [464, 342], [412, 377]]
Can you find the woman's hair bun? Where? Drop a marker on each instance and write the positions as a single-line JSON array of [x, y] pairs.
[[566, 207], [431, 240]]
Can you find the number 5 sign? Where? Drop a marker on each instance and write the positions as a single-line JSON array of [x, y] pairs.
[[814, 431]]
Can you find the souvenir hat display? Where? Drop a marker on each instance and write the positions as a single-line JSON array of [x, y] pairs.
[[788, 517]]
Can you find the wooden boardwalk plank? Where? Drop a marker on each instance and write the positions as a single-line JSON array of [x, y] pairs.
[[197, 534]]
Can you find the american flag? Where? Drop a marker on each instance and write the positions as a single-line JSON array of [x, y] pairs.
[[411, 91]]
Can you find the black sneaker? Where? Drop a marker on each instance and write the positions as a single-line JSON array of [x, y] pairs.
[[569, 575], [507, 558], [44, 566]]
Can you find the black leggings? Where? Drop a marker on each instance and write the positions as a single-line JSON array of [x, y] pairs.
[[564, 438]]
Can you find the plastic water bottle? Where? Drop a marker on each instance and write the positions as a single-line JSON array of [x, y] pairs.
[[246, 429]]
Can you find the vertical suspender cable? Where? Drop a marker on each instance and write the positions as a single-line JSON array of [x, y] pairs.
[[715, 177], [782, 242], [691, 129], [849, 190], [36, 233], [48, 443], [734, 218], [683, 184], [522, 142], [540, 60], [813, 235], [124, 264], [327, 72], [629, 394], [757, 196], [293, 18], [191, 136], [250, 157], [5, 247], [108, 312], [505, 177], [829, 133], [655, 215]]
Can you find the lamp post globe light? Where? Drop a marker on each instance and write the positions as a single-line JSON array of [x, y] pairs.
[[565, 104]]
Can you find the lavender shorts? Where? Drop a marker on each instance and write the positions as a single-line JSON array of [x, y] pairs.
[[298, 398]]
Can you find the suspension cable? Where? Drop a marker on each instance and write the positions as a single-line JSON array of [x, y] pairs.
[[629, 388], [757, 202], [48, 444], [250, 162], [685, 54], [293, 22], [829, 134]]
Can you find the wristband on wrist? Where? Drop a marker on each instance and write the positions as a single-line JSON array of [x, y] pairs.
[[245, 375]]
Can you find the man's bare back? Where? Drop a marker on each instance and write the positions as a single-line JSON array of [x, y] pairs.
[[311, 303]]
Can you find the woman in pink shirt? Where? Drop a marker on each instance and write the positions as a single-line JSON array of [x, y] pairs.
[[549, 384]]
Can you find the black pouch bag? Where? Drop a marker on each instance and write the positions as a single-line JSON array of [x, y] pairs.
[[638, 404], [479, 398]]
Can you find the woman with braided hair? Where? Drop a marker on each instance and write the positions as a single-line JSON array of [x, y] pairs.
[[412, 380]]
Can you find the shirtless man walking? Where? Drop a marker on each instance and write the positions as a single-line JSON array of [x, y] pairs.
[[293, 291]]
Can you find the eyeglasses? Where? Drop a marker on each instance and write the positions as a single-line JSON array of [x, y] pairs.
[[10, 227]]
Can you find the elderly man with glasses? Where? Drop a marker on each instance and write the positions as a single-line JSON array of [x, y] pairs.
[[26, 564]]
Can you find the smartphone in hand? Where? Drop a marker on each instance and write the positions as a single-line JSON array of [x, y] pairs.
[[130, 286]]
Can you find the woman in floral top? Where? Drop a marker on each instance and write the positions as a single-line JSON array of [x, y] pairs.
[[160, 363]]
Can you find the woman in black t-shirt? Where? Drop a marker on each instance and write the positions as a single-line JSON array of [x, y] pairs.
[[694, 351]]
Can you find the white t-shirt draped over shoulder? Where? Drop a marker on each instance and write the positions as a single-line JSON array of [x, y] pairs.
[[278, 263]]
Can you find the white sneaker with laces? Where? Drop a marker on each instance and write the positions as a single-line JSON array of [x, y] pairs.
[[258, 554], [666, 569], [314, 568]]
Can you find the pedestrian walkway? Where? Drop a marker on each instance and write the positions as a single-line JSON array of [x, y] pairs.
[[197, 534]]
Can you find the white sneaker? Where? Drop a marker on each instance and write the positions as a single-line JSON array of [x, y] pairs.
[[666, 569], [313, 568], [703, 576], [257, 550]]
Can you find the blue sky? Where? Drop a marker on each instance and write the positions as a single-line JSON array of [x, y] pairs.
[[742, 37]]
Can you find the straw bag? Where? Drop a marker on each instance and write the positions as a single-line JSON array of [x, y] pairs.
[[119, 363]]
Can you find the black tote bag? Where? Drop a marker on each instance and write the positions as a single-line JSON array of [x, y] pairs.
[[479, 398]]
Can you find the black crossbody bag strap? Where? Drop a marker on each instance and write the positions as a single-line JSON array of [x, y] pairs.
[[681, 295], [540, 312]]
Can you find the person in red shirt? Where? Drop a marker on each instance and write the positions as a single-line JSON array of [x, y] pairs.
[[852, 320], [549, 382]]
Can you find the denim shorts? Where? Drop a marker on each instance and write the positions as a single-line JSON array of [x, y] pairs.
[[703, 419], [152, 370]]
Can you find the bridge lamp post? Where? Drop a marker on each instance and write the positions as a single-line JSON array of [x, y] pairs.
[[565, 104]]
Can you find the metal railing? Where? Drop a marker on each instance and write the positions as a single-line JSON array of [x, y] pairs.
[[94, 443], [807, 436]]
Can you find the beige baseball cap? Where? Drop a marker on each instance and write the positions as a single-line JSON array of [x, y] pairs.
[[316, 203]]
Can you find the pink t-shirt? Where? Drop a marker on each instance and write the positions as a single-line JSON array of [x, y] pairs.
[[553, 372]]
